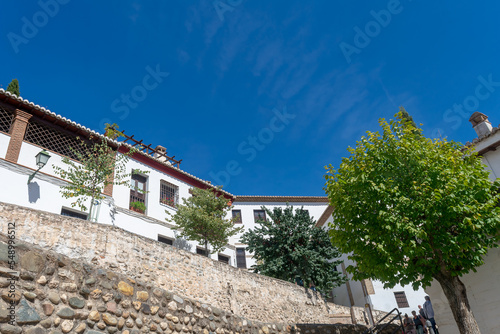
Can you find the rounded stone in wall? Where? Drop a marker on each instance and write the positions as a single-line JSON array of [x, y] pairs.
[[32, 261]]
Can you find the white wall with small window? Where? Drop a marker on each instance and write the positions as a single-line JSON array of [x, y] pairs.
[[163, 192], [380, 298]]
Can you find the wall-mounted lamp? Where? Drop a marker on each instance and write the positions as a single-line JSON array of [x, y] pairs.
[[41, 160]]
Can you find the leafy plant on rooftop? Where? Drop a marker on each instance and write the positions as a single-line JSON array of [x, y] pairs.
[[13, 87]]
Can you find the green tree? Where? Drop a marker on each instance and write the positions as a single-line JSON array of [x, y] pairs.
[[13, 87], [407, 117], [413, 209], [201, 218], [95, 168], [289, 246]]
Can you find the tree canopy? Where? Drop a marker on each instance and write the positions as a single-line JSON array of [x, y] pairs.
[[13, 87], [202, 218], [97, 166], [288, 246], [412, 209]]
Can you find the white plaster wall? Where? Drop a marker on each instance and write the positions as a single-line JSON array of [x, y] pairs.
[[484, 297], [4, 144], [492, 160], [27, 158], [382, 300], [51, 200], [340, 293], [39, 194]]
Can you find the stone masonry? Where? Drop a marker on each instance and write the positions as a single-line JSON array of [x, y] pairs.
[[51, 293], [151, 264]]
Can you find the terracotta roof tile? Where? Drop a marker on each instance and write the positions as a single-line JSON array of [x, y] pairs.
[[283, 199]]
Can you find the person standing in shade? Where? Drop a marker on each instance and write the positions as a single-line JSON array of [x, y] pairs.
[[429, 313], [421, 311], [409, 325], [419, 322]]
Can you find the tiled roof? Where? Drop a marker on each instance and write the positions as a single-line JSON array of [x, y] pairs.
[[27, 105], [283, 199]]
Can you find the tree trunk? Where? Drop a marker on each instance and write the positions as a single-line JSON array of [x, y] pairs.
[[206, 247], [90, 210], [456, 294]]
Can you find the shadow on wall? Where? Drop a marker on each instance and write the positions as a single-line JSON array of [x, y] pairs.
[[182, 244], [33, 192]]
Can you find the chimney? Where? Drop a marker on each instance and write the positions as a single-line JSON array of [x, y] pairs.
[[160, 153], [481, 124]]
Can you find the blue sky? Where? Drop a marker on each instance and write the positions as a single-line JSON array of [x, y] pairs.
[[256, 95]]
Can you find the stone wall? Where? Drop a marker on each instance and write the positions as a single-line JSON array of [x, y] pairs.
[[51, 293], [148, 262]]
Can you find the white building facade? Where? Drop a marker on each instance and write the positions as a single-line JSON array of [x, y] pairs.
[[26, 129]]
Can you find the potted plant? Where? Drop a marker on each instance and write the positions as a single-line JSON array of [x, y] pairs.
[[168, 201], [138, 207]]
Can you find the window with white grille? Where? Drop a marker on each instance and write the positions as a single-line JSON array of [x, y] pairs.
[[169, 194]]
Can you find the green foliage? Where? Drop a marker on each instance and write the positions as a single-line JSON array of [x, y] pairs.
[[289, 245], [410, 208], [98, 167], [111, 131], [405, 117], [138, 206], [201, 218], [13, 87]]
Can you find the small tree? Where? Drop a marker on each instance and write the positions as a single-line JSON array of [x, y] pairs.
[[412, 209], [201, 218], [96, 168], [13, 87], [289, 246]]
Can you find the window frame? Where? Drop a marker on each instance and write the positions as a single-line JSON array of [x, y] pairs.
[[167, 240], [201, 251], [164, 199], [135, 194], [226, 257], [237, 221], [401, 299], [255, 219], [75, 213], [241, 260]]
